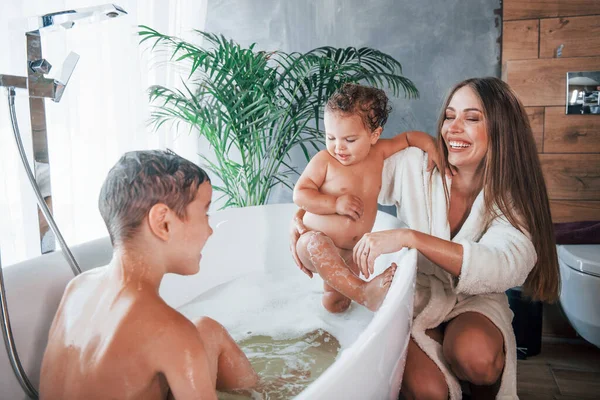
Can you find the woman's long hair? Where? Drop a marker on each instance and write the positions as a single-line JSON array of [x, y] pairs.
[[512, 178]]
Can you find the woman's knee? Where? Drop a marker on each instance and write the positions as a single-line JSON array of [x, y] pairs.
[[422, 378], [475, 357], [421, 386]]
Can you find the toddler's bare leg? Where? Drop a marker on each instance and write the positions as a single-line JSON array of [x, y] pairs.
[[319, 254], [230, 366], [334, 301]]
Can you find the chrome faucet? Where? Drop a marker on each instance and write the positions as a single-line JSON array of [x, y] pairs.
[[39, 88], [38, 85]]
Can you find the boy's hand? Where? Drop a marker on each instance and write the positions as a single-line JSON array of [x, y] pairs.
[[349, 205]]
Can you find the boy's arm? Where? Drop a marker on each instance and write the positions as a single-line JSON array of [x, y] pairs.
[[184, 362], [308, 197], [411, 138]]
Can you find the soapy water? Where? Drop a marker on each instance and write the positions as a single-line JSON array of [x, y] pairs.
[[278, 321], [286, 366]]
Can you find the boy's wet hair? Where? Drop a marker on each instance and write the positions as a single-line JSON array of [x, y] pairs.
[[141, 179], [368, 102]]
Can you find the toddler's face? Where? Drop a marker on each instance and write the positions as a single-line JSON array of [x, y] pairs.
[[347, 138]]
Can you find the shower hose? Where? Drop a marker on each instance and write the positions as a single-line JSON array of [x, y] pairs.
[[9, 342]]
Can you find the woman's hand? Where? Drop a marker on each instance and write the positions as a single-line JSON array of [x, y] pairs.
[[297, 228], [374, 244]]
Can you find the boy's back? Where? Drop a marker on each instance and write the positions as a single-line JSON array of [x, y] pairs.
[[95, 339], [113, 337]]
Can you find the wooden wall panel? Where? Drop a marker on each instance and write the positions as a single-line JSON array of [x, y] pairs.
[[571, 211], [579, 35], [527, 9], [570, 133], [520, 40], [572, 176], [536, 120], [542, 82]]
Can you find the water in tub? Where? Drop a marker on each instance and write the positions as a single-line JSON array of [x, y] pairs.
[[279, 322]]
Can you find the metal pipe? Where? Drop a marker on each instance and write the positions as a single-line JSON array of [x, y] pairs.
[[40, 87], [41, 203], [9, 342]]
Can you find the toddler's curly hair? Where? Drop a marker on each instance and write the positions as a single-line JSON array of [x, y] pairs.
[[368, 102]]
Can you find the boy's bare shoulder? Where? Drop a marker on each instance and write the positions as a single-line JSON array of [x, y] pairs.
[[168, 334], [164, 321], [84, 279]]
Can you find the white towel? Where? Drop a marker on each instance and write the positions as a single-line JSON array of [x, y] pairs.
[[494, 260]]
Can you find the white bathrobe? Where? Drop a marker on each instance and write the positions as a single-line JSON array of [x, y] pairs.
[[494, 260]]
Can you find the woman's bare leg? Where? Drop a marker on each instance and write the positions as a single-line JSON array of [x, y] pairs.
[[474, 348], [230, 366], [422, 378], [319, 254]]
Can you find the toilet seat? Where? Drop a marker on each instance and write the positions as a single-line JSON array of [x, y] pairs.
[[584, 258]]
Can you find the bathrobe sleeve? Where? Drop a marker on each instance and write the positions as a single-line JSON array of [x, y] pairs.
[[500, 260], [391, 182]]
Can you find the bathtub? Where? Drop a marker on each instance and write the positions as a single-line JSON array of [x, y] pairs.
[[371, 368]]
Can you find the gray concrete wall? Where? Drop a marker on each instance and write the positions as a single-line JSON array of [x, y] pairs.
[[438, 42]]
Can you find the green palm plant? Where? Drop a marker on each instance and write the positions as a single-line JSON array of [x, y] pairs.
[[254, 107]]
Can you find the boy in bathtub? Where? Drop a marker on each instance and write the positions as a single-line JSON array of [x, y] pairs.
[[338, 192], [113, 336]]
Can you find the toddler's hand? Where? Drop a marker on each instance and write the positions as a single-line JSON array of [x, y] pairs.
[[434, 158], [349, 205], [297, 228]]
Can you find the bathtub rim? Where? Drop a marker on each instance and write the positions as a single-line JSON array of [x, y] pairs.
[[379, 321], [100, 252]]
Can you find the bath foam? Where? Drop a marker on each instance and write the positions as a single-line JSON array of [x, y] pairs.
[[279, 323], [281, 305]]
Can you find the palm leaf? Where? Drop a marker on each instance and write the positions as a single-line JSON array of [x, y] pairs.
[[255, 107]]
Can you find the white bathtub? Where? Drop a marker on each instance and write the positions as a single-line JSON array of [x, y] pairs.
[[369, 369]]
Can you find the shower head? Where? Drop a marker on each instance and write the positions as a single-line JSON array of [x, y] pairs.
[[38, 85], [68, 18]]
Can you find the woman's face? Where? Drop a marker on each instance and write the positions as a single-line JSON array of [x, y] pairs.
[[464, 130]]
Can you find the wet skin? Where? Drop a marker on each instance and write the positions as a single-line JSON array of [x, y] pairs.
[[114, 337], [339, 190], [472, 345]]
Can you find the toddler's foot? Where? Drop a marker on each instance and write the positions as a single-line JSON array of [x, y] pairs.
[[376, 289]]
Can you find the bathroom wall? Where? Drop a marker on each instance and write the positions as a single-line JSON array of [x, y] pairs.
[[438, 42], [569, 145]]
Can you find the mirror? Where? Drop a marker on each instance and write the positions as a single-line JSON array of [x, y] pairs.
[[583, 89]]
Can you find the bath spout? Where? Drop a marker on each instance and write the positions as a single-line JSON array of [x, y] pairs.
[[68, 18], [40, 87]]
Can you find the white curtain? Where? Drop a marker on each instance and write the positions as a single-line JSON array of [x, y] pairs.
[[103, 113]]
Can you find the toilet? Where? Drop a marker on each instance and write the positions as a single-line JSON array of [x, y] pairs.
[[580, 288]]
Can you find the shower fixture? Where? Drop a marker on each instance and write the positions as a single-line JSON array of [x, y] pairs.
[[39, 88]]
